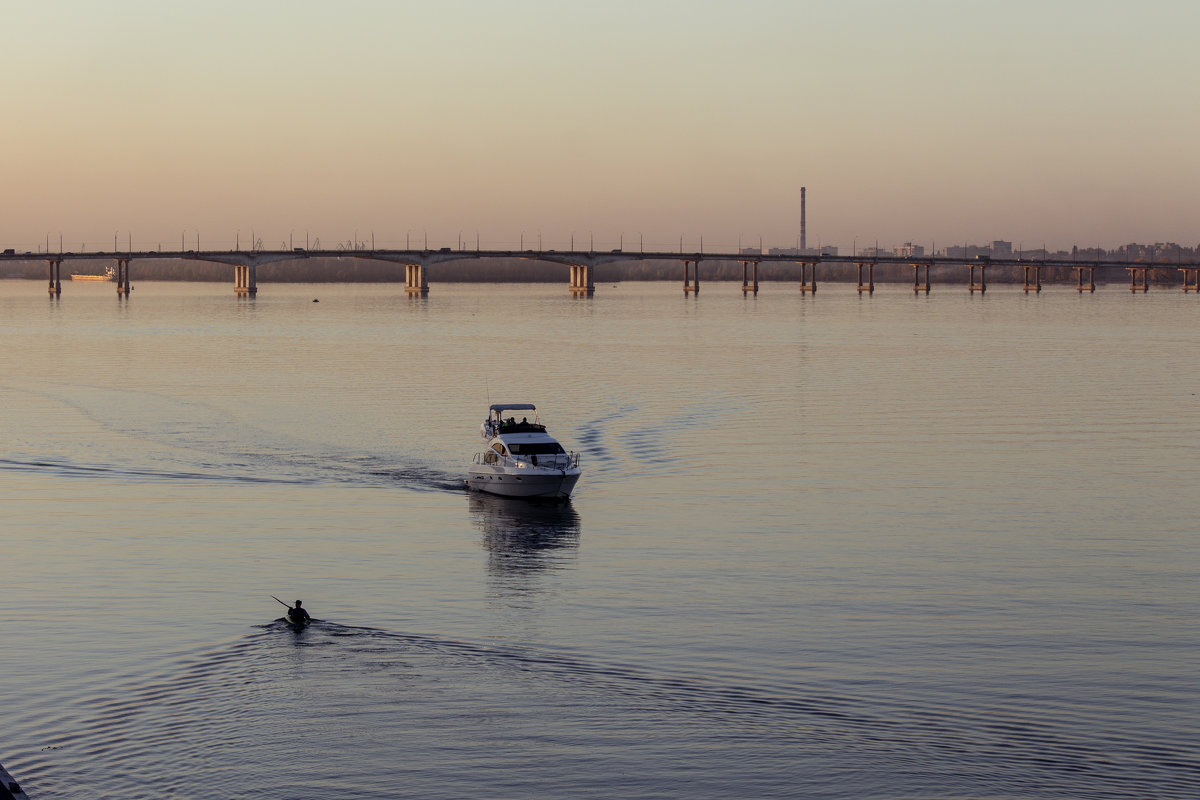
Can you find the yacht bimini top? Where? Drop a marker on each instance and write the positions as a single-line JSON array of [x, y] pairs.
[[497, 424], [500, 408]]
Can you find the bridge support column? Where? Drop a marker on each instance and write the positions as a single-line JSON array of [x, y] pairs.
[[869, 286], [1133, 277], [415, 282], [582, 284], [1191, 279], [1091, 284], [747, 285], [55, 276], [1036, 285], [123, 286], [807, 284], [980, 287], [245, 276], [917, 285], [691, 282]]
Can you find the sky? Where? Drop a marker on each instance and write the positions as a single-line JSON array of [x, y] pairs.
[[635, 124]]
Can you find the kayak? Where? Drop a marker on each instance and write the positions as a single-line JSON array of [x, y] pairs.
[[296, 622]]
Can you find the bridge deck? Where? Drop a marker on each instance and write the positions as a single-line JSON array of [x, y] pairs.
[[579, 257]]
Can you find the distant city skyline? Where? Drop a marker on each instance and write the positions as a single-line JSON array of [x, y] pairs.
[[1055, 124]]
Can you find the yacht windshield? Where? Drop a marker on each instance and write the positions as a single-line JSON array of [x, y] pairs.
[[536, 448]]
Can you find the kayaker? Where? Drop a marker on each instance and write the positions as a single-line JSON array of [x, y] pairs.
[[298, 613]]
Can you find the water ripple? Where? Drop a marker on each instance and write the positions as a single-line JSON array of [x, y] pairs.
[[275, 689]]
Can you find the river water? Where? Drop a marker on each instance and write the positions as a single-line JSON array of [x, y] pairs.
[[895, 546]]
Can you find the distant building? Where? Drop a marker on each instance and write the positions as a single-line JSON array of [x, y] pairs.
[[795, 251], [969, 251], [909, 250], [1131, 252], [1002, 249]]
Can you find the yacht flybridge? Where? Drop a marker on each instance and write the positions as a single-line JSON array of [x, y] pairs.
[[521, 459]]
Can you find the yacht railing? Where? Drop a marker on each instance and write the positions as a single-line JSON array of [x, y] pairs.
[[567, 460]]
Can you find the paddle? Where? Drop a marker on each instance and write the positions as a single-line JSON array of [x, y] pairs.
[[301, 620]]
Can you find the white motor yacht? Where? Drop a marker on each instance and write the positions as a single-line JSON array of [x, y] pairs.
[[521, 459]]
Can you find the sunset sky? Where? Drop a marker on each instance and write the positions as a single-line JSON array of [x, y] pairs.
[[1052, 122]]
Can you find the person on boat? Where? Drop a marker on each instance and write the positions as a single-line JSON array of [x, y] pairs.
[[299, 613]]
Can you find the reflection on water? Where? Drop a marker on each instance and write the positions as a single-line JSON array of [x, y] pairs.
[[523, 536]]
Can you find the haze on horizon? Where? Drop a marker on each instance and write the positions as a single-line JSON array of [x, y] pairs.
[[1054, 122]]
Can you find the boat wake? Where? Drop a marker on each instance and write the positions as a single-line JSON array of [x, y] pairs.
[[257, 706], [624, 442], [66, 469], [179, 440]]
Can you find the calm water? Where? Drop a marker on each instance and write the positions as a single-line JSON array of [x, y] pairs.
[[832, 547]]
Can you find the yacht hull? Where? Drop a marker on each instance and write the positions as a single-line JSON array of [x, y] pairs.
[[532, 483]]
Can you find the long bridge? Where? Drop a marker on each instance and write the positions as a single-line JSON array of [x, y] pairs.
[[582, 264]]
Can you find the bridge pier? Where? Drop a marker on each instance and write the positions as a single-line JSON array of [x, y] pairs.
[[807, 285], [869, 286], [747, 286], [1036, 286], [581, 280], [1191, 279], [123, 286], [691, 283], [415, 281], [55, 276], [246, 278], [980, 287], [1133, 277], [918, 287], [1091, 284]]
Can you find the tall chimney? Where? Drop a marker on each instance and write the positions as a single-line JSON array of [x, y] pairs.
[[803, 223]]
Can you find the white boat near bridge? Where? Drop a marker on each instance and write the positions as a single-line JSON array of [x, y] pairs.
[[110, 274]]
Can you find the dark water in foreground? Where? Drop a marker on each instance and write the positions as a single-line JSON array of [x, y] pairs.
[[896, 546]]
